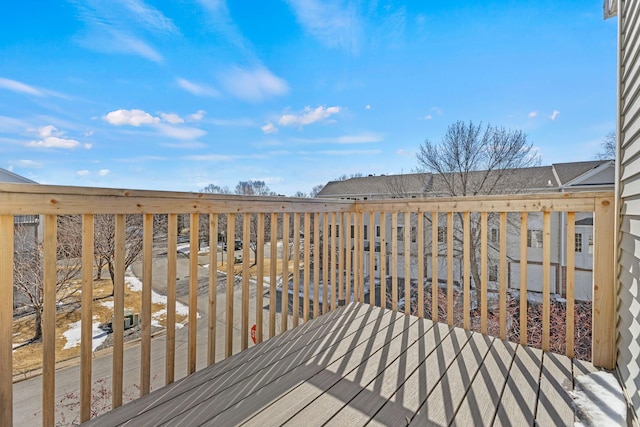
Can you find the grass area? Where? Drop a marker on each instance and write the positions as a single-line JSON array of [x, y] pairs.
[[29, 357]]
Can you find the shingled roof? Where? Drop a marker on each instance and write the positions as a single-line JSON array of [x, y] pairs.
[[534, 179], [8, 176], [381, 186], [569, 171]]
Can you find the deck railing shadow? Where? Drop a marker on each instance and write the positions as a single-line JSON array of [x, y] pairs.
[[323, 242]]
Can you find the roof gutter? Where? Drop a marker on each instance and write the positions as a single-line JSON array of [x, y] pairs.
[[610, 8]]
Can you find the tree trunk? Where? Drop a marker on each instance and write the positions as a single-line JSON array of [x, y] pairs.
[[37, 336], [475, 273], [112, 274], [99, 266]]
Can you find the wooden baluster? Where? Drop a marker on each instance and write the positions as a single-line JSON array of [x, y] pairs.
[[194, 226], [503, 275], [213, 289], [49, 322], [86, 317], [523, 277]]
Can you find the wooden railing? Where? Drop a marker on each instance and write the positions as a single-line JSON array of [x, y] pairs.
[[331, 250]]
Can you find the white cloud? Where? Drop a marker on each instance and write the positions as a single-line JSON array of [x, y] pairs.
[[367, 107], [253, 85], [50, 137], [363, 138], [242, 122], [124, 42], [197, 88], [16, 86], [213, 157], [46, 131], [331, 22], [196, 117], [104, 172], [184, 145], [28, 164], [533, 114], [554, 115], [428, 117], [181, 132], [83, 172], [269, 128], [119, 27], [172, 118], [20, 87], [130, 117], [54, 142], [404, 153], [350, 152], [309, 116], [149, 17]]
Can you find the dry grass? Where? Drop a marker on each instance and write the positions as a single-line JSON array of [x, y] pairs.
[[29, 357], [253, 270]]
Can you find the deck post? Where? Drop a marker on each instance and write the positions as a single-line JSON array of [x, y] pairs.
[[604, 286], [6, 317]]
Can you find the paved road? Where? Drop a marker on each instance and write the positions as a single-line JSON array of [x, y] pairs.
[[28, 394]]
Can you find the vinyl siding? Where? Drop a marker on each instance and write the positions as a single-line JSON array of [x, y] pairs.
[[628, 247]]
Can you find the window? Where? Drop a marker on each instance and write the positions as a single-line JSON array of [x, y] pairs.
[[400, 234], [366, 232], [414, 234], [591, 244], [493, 273], [494, 235], [578, 242], [377, 231], [442, 233], [534, 238]]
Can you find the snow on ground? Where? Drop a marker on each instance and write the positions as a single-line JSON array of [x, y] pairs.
[[135, 285], [599, 400], [73, 335]]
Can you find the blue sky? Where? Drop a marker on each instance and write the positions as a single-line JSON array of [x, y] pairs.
[[177, 95]]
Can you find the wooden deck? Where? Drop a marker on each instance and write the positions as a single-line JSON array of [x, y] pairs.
[[361, 364]]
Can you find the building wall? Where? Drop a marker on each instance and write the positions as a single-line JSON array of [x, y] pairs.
[[628, 159], [583, 259]]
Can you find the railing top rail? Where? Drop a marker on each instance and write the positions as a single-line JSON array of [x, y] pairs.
[[18, 199], [583, 201]]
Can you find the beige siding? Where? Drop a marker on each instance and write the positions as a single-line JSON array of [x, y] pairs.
[[629, 192]]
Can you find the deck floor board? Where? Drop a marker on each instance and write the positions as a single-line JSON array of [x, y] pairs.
[[365, 365]]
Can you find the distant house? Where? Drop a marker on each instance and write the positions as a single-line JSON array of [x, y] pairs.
[[27, 226], [559, 177]]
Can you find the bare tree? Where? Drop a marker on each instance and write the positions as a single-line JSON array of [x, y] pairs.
[[301, 195], [28, 268], [345, 177], [215, 189], [104, 243], [315, 190], [204, 219], [254, 188], [472, 160], [608, 148]]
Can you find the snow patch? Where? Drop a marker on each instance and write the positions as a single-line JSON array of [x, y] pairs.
[[135, 285], [108, 304], [73, 335], [599, 400]]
